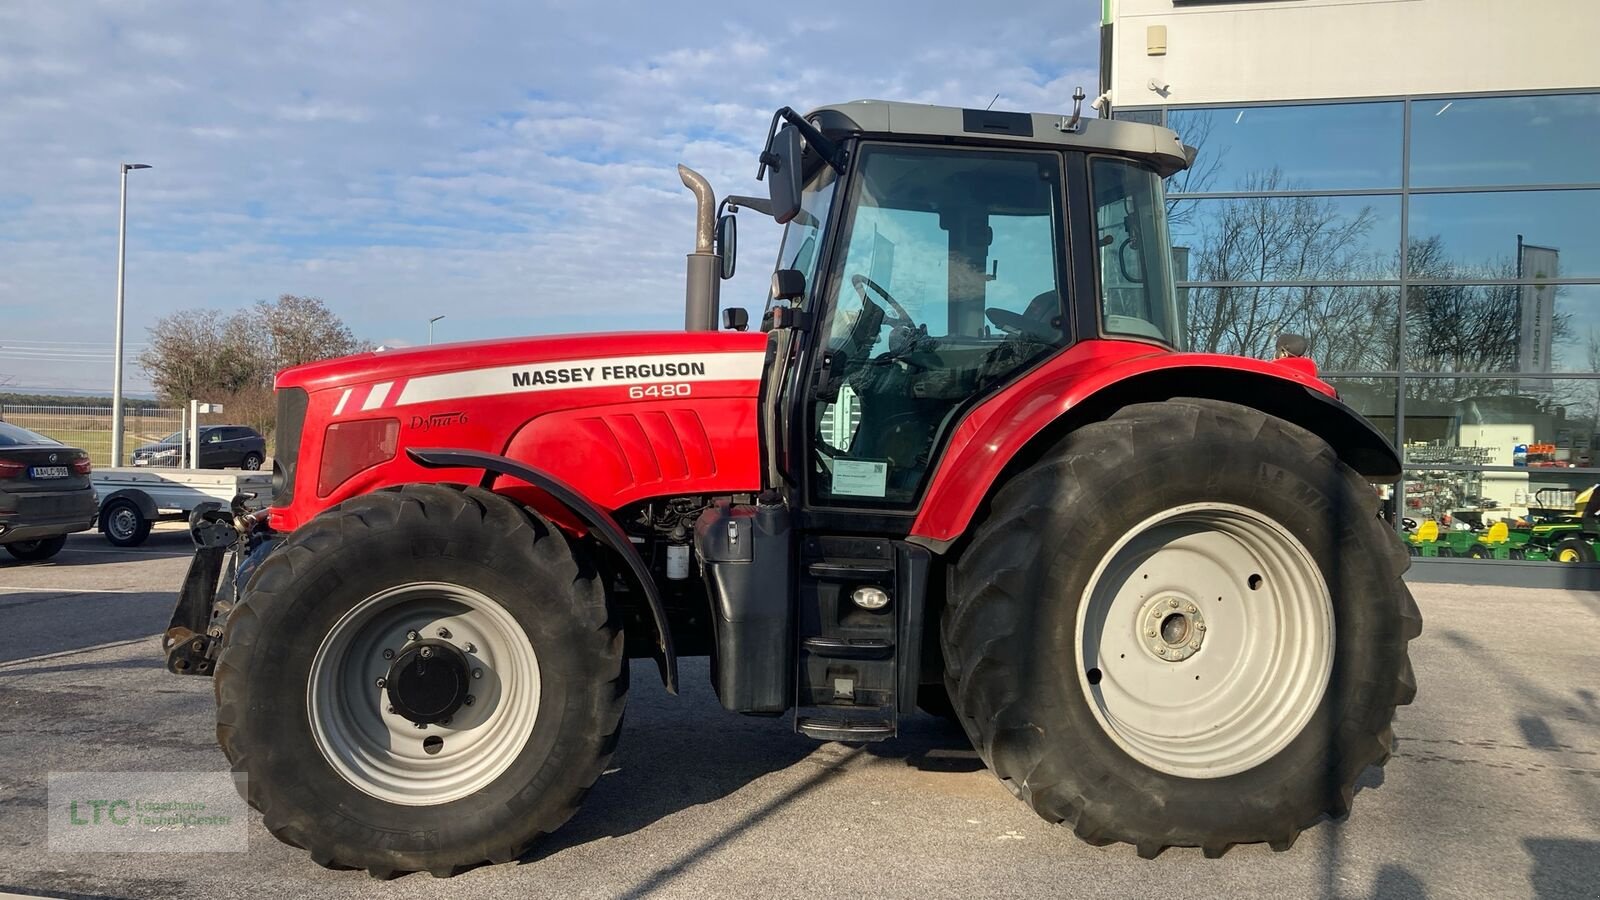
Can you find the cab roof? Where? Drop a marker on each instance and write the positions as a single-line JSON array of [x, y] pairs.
[[1158, 146]]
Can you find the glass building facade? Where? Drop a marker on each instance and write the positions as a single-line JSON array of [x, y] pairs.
[[1442, 256]]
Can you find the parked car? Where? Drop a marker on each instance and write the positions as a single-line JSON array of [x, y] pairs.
[[221, 447], [45, 493]]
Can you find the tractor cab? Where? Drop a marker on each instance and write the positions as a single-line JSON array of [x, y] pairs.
[[931, 255]]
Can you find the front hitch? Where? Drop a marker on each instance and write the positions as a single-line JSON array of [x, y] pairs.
[[194, 634]]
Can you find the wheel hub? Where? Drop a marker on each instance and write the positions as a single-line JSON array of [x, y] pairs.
[[1171, 628], [428, 682]]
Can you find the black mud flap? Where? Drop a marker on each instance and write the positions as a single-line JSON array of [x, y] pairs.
[[191, 637]]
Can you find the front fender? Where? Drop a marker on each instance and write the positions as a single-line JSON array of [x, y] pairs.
[[1090, 382], [599, 524]]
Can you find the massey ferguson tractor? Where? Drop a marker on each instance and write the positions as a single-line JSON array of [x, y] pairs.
[[965, 464]]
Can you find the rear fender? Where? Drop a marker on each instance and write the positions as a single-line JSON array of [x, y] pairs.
[[1014, 437], [147, 507], [577, 507]]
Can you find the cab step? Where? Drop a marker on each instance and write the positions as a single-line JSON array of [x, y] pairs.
[[848, 648], [845, 730]]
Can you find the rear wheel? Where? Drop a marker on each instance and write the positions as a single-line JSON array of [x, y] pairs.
[[36, 551], [1573, 550], [1216, 658], [421, 679], [251, 461], [123, 524]]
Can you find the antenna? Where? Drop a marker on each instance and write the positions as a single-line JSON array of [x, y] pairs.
[[991, 102], [1076, 123]]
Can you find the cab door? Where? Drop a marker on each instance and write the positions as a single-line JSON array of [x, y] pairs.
[[948, 280]]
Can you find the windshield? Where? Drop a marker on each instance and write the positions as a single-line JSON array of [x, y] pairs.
[[802, 237], [14, 436], [1136, 295]]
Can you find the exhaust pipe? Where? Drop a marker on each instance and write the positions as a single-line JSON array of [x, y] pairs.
[[703, 284]]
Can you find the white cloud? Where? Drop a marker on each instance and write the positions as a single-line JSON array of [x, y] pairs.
[[510, 164]]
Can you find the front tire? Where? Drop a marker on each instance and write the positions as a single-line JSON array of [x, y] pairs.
[[1280, 626], [520, 692]]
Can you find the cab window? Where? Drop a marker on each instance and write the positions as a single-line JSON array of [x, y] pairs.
[[1136, 296], [949, 285]]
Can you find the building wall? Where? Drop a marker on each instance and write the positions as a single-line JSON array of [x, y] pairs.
[[1412, 185], [1243, 51]]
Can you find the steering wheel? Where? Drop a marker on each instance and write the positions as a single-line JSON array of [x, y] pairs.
[[862, 282], [1016, 323]]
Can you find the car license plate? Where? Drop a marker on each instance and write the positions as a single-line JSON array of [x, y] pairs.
[[48, 472], [141, 462]]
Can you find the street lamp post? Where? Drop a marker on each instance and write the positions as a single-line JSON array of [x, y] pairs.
[[430, 327], [122, 258]]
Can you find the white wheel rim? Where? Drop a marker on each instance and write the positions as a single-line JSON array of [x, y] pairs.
[[1256, 640], [385, 754]]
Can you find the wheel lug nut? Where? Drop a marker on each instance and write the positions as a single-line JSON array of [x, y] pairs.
[[1194, 645], [469, 700], [382, 682], [412, 635], [1192, 609], [1172, 603], [1161, 651], [422, 725], [470, 648], [1200, 627], [444, 634], [388, 654], [477, 673], [425, 653], [389, 710], [1150, 633], [444, 721]]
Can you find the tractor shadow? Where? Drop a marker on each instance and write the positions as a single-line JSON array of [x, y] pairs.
[[677, 753]]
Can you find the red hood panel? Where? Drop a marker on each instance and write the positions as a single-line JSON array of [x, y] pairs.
[[416, 361]]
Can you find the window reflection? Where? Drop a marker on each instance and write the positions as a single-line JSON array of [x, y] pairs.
[[1504, 140], [1287, 238], [1529, 328], [1478, 421], [1373, 398], [1476, 235], [1349, 327], [1320, 146]]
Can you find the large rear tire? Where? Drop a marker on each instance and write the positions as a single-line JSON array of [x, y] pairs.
[[420, 679], [1184, 626]]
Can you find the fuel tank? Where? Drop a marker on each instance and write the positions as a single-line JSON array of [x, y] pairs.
[[618, 417]]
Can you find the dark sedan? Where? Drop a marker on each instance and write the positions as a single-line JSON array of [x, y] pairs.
[[45, 493], [221, 447]]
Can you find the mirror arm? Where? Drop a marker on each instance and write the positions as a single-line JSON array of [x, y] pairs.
[[828, 150]]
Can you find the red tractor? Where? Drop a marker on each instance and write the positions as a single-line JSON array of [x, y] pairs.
[[966, 465]]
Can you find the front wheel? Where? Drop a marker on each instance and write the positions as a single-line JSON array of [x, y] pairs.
[[1185, 626], [420, 679]]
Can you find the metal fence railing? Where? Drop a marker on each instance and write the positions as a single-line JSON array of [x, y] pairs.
[[89, 427]]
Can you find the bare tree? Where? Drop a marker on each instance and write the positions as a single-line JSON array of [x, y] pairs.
[[204, 354]]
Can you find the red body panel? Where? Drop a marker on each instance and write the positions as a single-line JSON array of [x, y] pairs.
[[607, 432], [992, 433], [599, 423]]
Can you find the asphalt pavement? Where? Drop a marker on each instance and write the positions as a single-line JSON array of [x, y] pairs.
[[1494, 789]]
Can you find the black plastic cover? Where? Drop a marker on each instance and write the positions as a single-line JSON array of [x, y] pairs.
[[747, 552]]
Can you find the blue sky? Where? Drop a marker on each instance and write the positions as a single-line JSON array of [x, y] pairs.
[[507, 165]]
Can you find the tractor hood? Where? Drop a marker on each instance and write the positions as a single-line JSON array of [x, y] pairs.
[[593, 360]]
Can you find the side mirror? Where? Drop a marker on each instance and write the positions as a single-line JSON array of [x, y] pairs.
[[728, 243], [735, 318], [788, 284], [783, 173]]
